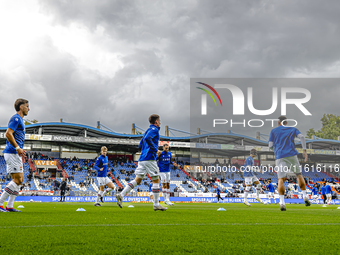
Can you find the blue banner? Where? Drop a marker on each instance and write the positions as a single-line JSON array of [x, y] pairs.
[[146, 199]]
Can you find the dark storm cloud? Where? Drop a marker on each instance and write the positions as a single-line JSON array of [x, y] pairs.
[[220, 38], [168, 42]]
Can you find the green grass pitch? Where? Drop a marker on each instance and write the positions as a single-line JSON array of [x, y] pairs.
[[56, 228]]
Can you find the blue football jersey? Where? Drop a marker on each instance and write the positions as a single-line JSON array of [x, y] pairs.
[[16, 123], [248, 167], [270, 187], [102, 162], [283, 141], [164, 162], [315, 191]]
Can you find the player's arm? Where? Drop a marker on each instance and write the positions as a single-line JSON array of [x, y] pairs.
[[271, 141], [148, 138], [303, 143], [247, 166], [97, 165], [11, 139], [171, 162]]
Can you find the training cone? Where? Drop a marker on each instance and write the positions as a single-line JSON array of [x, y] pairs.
[[81, 210], [21, 206], [221, 209], [131, 206]]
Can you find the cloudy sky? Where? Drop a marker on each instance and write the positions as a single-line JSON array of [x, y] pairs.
[[120, 61]]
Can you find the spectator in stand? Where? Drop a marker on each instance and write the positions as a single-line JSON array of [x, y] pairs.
[[63, 187]]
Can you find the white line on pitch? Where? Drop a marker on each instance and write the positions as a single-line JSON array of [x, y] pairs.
[[189, 224]]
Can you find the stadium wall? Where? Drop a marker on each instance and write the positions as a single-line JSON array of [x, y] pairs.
[[85, 155]]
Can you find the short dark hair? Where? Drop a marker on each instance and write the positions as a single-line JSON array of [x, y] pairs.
[[253, 152], [19, 102], [282, 119], [153, 118]]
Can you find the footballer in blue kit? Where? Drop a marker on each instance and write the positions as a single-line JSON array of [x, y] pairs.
[[164, 163], [250, 178], [101, 166], [218, 193], [281, 140], [328, 191], [14, 154], [314, 193], [271, 191], [147, 163]]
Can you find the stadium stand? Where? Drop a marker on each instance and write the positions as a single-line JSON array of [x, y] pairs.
[[82, 181]]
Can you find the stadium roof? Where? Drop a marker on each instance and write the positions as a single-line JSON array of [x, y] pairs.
[[71, 129], [81, 131]]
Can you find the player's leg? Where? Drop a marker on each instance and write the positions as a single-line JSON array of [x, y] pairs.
[[156, 190], [140, 173], [329, 199], [258, 189], [247, 190], [131, 185], [302, 185], [168, 190], [17, 178], [163, 181], [314, 198], [281, 189], [296, 168], [283, 167], [100, 192], [110, 186], [165, 193], [15, 168], [153, 171]]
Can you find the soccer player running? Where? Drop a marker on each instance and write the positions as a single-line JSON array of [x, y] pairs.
[[164, 162], [281, 140], [147, 163], [101, 166], [250, 178], [14, 153], [314, 194], [218, 192], [271, 191], [328, 191]]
